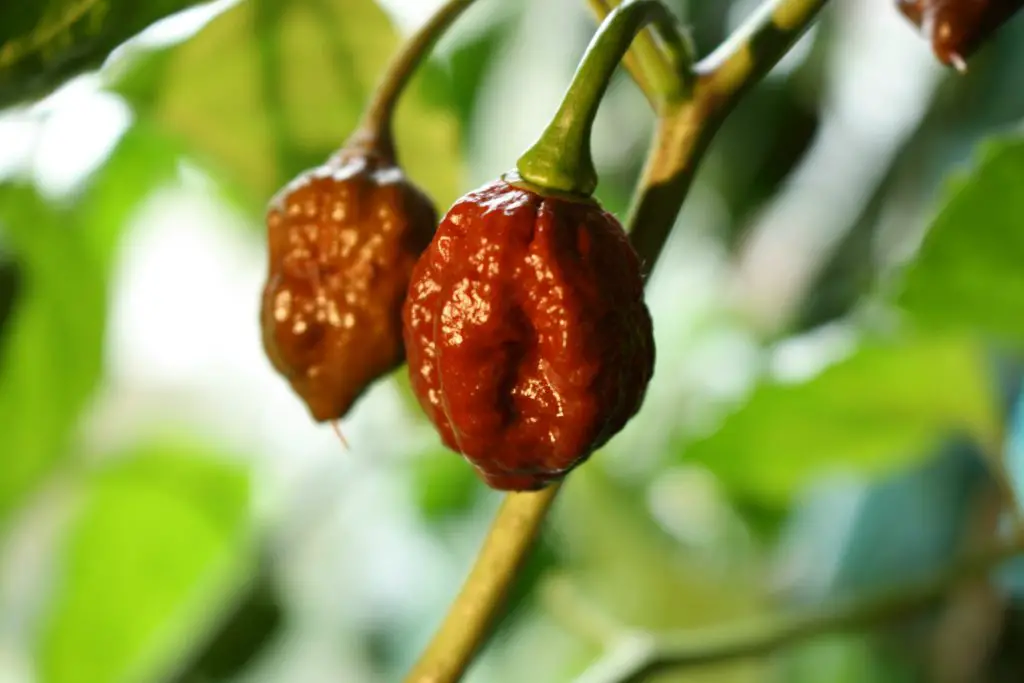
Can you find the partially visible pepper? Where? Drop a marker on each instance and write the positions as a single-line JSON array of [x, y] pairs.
[[343, 239], [529, 343], [957, 28]]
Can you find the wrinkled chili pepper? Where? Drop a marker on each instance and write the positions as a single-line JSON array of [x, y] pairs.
[[528, 340], [957, 28], [343, 239]]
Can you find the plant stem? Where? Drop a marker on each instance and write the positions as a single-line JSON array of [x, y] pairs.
[[683, 133], [641, 657], [375, 130], [560, 160], [647, 62], [638, 68], [678, 146], [754, 49], [470, 616]]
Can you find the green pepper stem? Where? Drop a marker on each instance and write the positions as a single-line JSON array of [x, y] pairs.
[[561, 160], [375, 130]]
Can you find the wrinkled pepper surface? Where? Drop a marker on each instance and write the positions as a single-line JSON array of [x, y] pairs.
[[343, 239], [529, 343]]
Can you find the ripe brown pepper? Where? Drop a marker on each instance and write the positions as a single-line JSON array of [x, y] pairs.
[[528, 339], [957, 28], [343, 239]]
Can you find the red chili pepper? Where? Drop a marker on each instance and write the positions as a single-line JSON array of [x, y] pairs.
[[957, 28], [343, 240], [528, 340]]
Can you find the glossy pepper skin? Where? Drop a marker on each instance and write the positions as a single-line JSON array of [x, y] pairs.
[[957, 28], [343, 239], [529, 342]]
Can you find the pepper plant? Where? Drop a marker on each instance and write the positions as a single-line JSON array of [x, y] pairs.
[[522, 314]]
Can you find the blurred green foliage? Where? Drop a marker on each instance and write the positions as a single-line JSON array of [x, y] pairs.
[[443, 485], [299, 75], [64, 250], [875, 412], [162, 572], [850, 659], [154, 554], [43, 44], [249, 628], [62, 270], [967, 275]]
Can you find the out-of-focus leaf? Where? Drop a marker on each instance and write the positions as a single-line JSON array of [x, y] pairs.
[[911, 524], [43, 44], [609, 540], [270, 87], [51, 355], [250, 627], [473, 55], [1015, 449], [967, 274], [759, 146], [444, 484], [871, 414], [10, 281], [54, 303], [843, 659], [1007, 659], [156, 552], [900, 529]]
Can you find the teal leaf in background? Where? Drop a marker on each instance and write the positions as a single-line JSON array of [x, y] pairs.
[[1015, 449], [967, 275], [45, 43], [874, 413], [156, 553], [270, 88]]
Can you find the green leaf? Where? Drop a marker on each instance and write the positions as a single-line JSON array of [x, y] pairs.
[[967, 275], [156, 553], [444, 484], [53, 301], [270, 88], [843, 659], [875, 412], [10, 283], [43, 44], [252, 625], [52, 347]]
